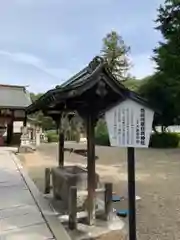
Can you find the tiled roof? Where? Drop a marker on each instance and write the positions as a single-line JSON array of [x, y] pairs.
[[82, 80], [12, 96], [84, 74]]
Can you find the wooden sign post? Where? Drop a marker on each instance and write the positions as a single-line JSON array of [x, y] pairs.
[[131, 193], [130, 125]]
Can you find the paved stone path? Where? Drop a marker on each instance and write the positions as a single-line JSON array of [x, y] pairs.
[[20, 217]]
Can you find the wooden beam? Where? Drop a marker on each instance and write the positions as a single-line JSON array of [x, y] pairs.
[[91, 168], [53, 112]]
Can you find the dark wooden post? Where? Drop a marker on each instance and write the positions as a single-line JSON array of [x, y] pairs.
[[108, 201], [61, 149], [61, 144], [131, 193], [91, 168], [73, 208], [10, 129], [25, 121], [9, 132], [47, 180]]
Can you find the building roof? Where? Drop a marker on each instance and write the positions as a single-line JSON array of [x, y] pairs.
[[96, 72], [14, 97], [84, 74]]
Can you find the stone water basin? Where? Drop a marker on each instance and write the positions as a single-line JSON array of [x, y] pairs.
[[63, 178]]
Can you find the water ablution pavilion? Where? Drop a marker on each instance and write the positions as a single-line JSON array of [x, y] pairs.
[[90, 93]]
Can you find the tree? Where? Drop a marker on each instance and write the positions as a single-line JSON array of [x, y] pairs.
[[46, 122], [34, 96], [160, 97], [115, 53], [163, 89], [135, 84], [168, 52]]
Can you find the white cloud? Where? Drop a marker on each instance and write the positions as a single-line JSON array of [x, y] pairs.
[[27, 69], [28, 59], [22, 57]]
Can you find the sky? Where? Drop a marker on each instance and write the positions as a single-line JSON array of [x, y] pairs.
[[45, 42]]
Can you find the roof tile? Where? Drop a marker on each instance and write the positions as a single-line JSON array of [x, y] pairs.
[[14, 97]]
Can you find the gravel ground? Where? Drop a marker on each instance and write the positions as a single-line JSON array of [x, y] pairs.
[[157, 177]]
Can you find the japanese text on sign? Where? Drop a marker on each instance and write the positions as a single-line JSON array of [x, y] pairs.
[[129, 124]]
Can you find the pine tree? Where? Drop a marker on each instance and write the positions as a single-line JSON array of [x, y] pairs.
[[115, 52]]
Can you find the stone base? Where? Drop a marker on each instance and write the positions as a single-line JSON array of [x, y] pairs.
[[64, 178], [26, 149], [102, 230]]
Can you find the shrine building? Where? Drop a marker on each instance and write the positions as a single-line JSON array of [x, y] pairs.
[[13, 102]]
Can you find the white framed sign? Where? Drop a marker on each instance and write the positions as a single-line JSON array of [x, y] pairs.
[[129, 124]]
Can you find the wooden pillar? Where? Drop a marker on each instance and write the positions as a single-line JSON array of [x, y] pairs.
[[61, 145], [10, 129], [73, 208], [25, 121], [47, 180], [9, 132], [91, 168], [108, 201]]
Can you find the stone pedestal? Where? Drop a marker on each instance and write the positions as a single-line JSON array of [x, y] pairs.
[[25, 141], [2, 131], [65, 177], [115, 229], [24, 137], [38, 140]]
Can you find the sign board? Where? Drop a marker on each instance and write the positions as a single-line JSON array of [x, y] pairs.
[[129, 124]]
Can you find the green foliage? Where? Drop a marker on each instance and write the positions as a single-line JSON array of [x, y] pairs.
[[168, 52], [72, 129], [164, 140], [52, 136], [45, 122], [101, 133], [134, 84], [34, 96], [160, 94], [163, 89], [115, 53]]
